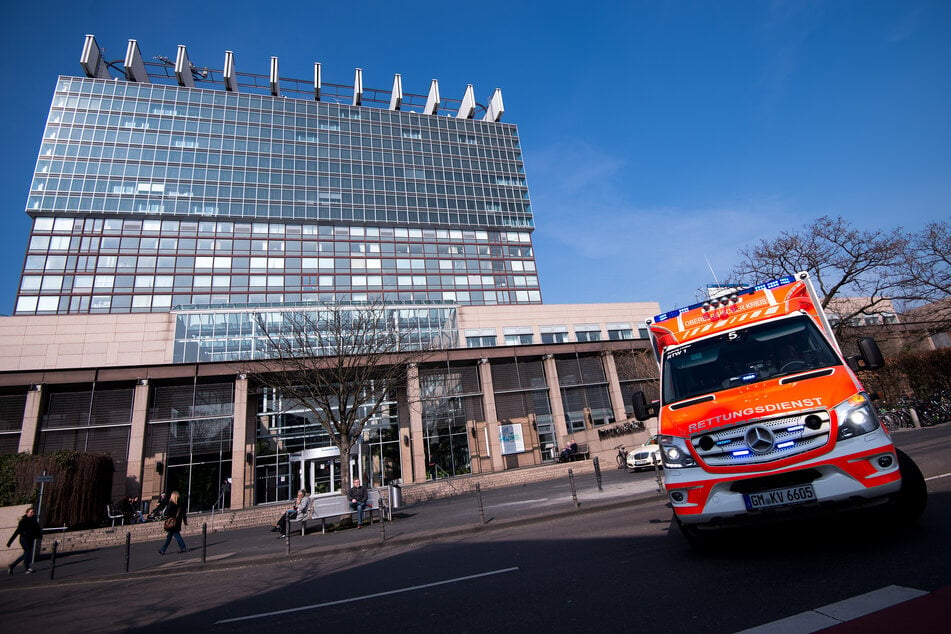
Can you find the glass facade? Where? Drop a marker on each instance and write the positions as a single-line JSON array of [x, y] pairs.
[[190, 428], [450, 398], [207, 335], [521, 392], [147, 197], [12, 407], [584, 392]]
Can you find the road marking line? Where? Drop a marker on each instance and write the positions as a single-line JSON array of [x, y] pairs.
[[366, 596], [943, 475], [519, 503], [839, 612]]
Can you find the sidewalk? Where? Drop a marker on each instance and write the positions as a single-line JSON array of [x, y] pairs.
[[412, 523]]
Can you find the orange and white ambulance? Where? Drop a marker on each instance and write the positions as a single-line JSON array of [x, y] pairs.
[[761, 416]]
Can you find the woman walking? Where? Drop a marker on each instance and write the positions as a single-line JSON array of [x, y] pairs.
[[174, 518], [28, 528]]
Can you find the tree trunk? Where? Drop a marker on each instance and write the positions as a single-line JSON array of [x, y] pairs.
[[345, 483]]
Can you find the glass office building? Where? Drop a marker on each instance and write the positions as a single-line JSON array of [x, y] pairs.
[[156, 189]]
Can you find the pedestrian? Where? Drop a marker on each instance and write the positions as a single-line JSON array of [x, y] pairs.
[[174, 518], [28, 528], [358, 500]]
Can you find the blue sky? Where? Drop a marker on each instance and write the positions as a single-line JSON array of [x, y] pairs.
[[657, 136]]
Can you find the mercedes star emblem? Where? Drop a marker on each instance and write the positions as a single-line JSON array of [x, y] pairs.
[[759, 439]]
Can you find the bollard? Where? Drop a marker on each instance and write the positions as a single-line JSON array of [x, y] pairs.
[[287, 539], [597, 473], [128, 549], [53, 559], [382, 521], [657, 474], [915, 422], [574, 492], [481, 506], [204, 542]]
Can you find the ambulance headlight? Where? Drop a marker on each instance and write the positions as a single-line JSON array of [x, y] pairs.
[[856, 417], [674, 453]]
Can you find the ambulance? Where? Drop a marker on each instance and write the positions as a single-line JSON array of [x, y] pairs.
[[762, 417]]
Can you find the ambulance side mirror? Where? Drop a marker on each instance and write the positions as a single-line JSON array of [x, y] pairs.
[[869, 357], [642, 409]]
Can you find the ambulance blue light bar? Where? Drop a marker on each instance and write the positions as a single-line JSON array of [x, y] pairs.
[[782, 281]]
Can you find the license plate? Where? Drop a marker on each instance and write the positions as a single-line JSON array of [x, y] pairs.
[[780, 497]]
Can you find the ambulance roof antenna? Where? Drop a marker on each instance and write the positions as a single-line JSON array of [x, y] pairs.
[[711, 271]]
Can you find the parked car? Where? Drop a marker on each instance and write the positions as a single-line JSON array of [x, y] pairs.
[[644, 456]]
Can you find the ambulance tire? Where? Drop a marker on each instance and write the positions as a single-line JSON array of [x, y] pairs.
[[910, 501], [697, 538]]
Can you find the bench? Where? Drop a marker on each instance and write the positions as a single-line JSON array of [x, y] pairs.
[[581, 454], [335, 506], [114, 515]]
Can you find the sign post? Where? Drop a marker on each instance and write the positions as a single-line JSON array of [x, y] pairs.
[[42, 479]]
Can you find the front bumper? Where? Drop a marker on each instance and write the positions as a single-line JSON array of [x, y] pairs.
[[851, 476]]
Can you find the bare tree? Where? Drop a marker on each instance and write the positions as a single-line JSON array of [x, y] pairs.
[[925, 273], [842, 260], [641, 367], [342, 363]]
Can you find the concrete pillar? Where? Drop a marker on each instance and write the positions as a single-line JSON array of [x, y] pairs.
[[136, 456], [614, 385], [31, 420], [491, 435], [413, 457], [242, 445], [554, 398]]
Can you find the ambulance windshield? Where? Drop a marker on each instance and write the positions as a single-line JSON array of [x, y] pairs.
[[745, 356]]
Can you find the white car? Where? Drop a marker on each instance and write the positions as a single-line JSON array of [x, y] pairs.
[[644, 456]]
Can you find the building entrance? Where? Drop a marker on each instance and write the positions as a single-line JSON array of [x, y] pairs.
[[321, 475], [318, 470]]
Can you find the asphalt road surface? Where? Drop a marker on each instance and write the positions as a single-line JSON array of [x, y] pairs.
[[624, 568]]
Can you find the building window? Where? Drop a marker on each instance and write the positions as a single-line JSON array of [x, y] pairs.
[[520, 335], [618, 332], [587, 332], [553, 334], [480, 342], [480, 337]]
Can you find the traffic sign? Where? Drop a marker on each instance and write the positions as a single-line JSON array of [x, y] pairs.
[[44, 478]]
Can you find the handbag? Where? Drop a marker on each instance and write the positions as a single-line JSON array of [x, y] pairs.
[[169, 524]]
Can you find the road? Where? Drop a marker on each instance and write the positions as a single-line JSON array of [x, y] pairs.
[[621, 568]]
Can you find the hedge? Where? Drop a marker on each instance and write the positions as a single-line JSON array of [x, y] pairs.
[[77, 496]]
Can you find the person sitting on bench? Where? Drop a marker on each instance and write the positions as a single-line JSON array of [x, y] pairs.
[[301, 511], [569, 451], [358, 500]]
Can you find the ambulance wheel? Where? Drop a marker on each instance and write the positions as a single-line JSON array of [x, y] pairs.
[[697, 538], [910, 501]]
